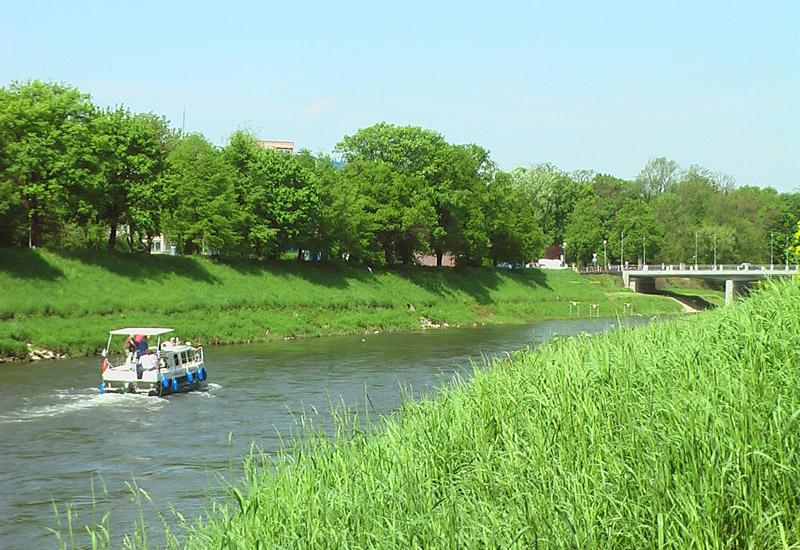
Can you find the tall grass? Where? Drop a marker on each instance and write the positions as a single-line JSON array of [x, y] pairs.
[[66, 301], [683, 434]]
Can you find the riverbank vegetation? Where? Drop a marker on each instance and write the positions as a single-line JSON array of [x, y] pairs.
[[681, 434], [66, 301], [73, 174]]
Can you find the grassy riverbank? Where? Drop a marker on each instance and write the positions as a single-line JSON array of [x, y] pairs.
[[67, 301], [682, 434]]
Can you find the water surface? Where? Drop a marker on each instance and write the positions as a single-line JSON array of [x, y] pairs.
[[62, 442]]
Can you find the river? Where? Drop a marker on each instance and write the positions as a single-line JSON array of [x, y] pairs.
[[63, 443]]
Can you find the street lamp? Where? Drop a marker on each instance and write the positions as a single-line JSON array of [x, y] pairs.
[[564, 250], [695, 250], [715, 252], [644, 254], [770, 250], [622, 252], [787, 253], [605, 253]]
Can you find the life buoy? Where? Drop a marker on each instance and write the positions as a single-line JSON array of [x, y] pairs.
[[201, 374], [104, 366], [189, 377]]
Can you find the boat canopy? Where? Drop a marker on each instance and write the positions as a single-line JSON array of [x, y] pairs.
[[142, 330]]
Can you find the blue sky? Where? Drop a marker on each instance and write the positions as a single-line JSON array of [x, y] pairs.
[[597, 85]]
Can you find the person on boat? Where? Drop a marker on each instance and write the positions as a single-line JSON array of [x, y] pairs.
[[169, 343], [148, 362], [129, 347], [141, 345]]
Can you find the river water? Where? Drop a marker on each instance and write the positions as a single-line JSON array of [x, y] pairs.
[[62, 443]]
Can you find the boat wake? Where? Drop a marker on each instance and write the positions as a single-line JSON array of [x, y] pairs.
[[207, 392], [65, 402]]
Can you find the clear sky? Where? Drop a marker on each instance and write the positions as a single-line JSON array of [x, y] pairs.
[[597, 85]]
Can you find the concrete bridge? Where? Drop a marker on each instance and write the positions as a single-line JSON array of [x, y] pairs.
[[643, 278]]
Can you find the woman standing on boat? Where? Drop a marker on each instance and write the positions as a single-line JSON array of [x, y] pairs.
[[141, 345]]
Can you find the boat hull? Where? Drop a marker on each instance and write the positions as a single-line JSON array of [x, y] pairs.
[[153, 388]]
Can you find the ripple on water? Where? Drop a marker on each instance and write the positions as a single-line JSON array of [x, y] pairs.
[[71, 401]]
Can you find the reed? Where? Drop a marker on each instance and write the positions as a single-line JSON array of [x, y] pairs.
[[682, 434]]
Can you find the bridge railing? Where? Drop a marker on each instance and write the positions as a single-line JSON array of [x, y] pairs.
[[712, 267]]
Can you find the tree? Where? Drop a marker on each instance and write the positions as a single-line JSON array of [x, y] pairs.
[[643, 233], [200, 208], [454, 178], [658, 176], [553, 195], [513, 234], [279, 198], [682, 211], [129, 153], [395, 212], [586, 230], [43, 150]]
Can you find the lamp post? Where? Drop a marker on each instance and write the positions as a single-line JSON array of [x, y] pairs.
[[715, 252], [644, 253], [695, 250], [770, 250], [787, 253], [564, 250], [605, 253], [622, 251]]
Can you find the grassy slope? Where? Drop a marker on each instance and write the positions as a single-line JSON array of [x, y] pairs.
[[682, 434], [715, 298], [67, 301]]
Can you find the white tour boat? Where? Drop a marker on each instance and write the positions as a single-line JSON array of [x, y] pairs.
[[141, 367]]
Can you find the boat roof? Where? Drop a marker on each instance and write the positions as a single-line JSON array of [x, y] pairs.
[[142, 330]]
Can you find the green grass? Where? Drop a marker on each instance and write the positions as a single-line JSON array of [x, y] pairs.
[[681, 434], [66, 301], [714, 298]]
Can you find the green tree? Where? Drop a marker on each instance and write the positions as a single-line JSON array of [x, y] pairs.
[[553, 195], [643, 232], [394, 212], [513, 233], [343, 228], [129, 154], [278, 197], [658, 176], [592, 219], [585, 231], [454, 178], [682, 211], [43, 151], [200, 211]]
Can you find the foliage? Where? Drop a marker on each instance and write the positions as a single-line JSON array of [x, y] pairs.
[[43, 150], [73, 175], [553, 195], [658, 176], [199, 198], [451, 179], [278, 198], [128, 156], [513, 232]]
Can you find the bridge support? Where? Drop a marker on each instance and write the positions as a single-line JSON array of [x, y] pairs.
[[646, 286], [733, 289]]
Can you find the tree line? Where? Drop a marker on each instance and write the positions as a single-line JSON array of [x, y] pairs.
[[72, 174]]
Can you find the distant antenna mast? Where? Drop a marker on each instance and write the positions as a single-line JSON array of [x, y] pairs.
[[183, 123]]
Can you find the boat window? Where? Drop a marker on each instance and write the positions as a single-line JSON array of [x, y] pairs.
[[184, 358]]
